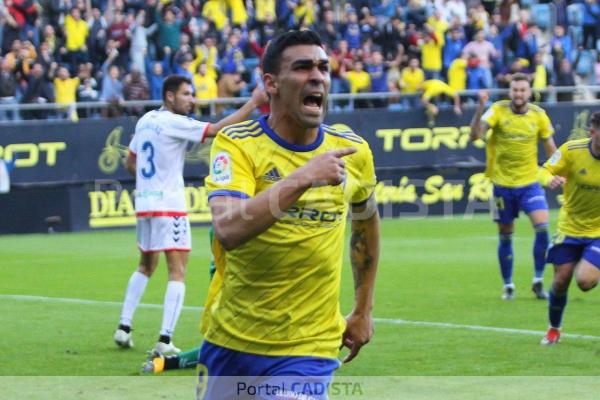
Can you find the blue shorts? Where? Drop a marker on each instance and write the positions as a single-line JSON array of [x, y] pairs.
[[230, 374], [510, 200], [568, 249]]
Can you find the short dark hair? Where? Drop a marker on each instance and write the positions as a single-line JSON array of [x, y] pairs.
[[275, 48], [595, 120], [172, 84], [519, 76]]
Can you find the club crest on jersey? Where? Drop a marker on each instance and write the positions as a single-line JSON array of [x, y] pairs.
[[221, 168]]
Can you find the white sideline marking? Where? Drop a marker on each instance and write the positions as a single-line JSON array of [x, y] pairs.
[[480, 328], [20, 297], [388, 321]]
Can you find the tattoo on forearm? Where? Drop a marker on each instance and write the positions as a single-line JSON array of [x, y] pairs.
[[359, 256]]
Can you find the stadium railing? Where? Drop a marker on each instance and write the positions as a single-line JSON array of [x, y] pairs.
[[339, 102]]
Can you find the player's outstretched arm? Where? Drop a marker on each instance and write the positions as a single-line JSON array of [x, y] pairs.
[[258, 98], [236, 220], [549, 146], [130, 163], [364, 256], [478, 127]]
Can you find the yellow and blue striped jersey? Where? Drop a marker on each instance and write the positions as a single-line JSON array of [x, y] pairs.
[[579, 216], [278, 294], [512, 149]]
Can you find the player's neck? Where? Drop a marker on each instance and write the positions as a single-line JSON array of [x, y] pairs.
[[291, 132], [519, 109]]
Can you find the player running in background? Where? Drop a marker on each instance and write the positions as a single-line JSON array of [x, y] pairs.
[[156, 159], [576, 245], [273, 306], [512, 165]]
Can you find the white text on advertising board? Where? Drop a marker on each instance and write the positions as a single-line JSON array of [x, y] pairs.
[[424, 139]]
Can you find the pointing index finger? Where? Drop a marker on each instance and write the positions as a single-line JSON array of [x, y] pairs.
[[339, 153]]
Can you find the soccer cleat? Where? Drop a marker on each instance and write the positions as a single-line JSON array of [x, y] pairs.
[[166, 348], [155, 363], [508, 293], [552, 337], [538, 289], [123, 339]]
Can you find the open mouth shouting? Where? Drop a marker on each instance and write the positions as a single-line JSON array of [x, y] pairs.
[[313, 103]]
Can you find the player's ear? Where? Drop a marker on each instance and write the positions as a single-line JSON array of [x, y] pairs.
[[270, 83]]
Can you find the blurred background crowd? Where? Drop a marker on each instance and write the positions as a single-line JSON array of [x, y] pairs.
[[63, 51]]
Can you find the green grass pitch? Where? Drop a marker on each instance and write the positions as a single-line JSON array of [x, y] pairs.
[[60, 298]]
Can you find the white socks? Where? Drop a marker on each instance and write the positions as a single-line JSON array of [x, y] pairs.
[[135, 290], [173, 303]]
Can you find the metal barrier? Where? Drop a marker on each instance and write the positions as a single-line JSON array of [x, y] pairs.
[[340, 102]]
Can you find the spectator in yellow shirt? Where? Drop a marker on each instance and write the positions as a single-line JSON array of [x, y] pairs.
[[457, 73], [411, 82], [431, 53], [216, 11], [359, 82], [76, 32], [432, 89], [65, 91], [206, 88], [238, 12]]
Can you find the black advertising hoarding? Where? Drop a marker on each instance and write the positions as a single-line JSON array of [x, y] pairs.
[[87, 151], [93, 149], [449, 192], [421, 171]]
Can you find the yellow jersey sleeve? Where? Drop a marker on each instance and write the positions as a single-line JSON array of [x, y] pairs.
[[490, 117], [366, 180], [231, 170], [546, 129], [557, 164]]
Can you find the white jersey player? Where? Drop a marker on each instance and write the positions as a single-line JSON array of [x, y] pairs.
[[156, 159]]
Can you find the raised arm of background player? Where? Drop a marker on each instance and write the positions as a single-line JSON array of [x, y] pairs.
[[479, 127], [258, 98]]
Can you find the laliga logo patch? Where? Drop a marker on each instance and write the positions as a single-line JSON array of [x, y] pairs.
[[221, 168], [555, 158]]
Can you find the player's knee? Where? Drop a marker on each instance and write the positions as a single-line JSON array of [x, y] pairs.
[[586, 284], [560, 285], [146, 270], [505, 229], [177, 274]]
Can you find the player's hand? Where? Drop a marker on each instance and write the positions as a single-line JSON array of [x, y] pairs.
[[328, 168], [259, 96], [457, 110], [359, 331], [484, 96], [556, 182]]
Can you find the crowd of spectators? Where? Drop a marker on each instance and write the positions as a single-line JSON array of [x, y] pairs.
[[65, 51]]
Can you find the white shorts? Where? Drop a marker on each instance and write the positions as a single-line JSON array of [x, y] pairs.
[[164, 234]]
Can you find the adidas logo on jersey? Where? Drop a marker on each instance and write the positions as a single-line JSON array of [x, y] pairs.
[[583, 171], [272, 175]]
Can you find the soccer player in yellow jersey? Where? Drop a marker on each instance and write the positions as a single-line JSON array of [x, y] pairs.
[[576, 245], [279, 190], [512, 165]]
